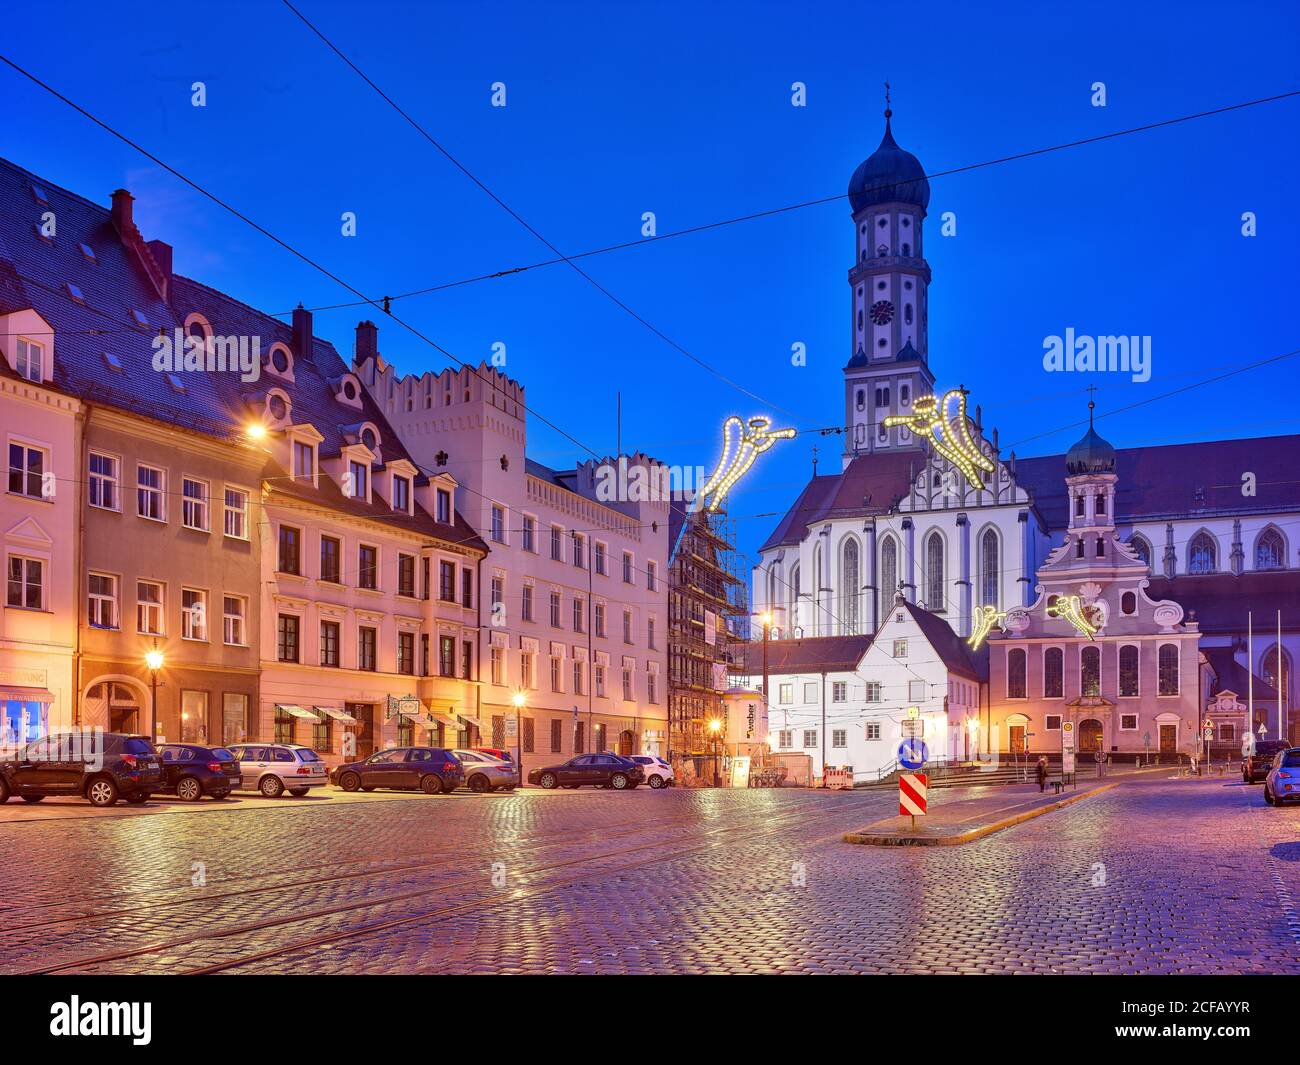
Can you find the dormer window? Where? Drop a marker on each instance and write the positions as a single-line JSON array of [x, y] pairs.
[[443, 506], [358, 473], [41, 196], [304, 461], [139, 319], [402, 494], [88, 252], [75, 293], [31, 360], [369, 438]]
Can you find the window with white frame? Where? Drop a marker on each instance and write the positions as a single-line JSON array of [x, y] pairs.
[[916, 690], [627, 626], [498, 665], [234, 612], [31, 359], [557, 543], [839, 691], [557, 674], [499, 524], [194, 504], [26, 470], [900, 648], [839, 737], [874, 691], [810, 691], [304, 460], [150, 492], [786, 693], [651, 576], [528, 669], [809, 738], [194, 614], [785, 738], [235, 520], [579, 678], [443, 506], [356, 485], [650, 634], [149, 608], [25, 585], [402, 494], [101, 606], [651, 687], [873, 730], [628, 694], [600, 559], [598, 680], [1053, 723], [105, 481], [627, 567], [1128, 722]]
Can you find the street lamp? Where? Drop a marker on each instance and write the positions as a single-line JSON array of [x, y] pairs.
[[518, 699], [255, 431], [153, 658], [715, 734]]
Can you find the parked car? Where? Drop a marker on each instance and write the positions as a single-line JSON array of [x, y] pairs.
[[599, 770], [431, 769], [658, 773], [191, 771], [483, 772], [495, 752], [101, 767], [274, 768], [1255, 767], [1283, 780]]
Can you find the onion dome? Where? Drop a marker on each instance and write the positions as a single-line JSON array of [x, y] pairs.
[[1091, 454], [889, 175]]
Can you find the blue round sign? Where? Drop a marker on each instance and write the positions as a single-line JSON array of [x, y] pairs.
[[913, 754]]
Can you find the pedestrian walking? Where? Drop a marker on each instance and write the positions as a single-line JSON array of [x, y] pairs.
[[1042, 772]]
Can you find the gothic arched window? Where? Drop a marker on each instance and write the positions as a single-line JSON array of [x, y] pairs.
[[1201, 554], [818, 622], [795, 576], [989, 568], [1140, 548], [1270, 550], [888, 571], [849, 585], [934, 572], [1269, 671]]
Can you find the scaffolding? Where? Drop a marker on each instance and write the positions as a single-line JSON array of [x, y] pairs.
[[708, 623]]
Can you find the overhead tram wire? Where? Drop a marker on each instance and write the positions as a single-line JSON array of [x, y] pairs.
[[283, 244]]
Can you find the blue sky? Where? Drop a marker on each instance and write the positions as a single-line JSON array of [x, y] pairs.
[[684, 110]]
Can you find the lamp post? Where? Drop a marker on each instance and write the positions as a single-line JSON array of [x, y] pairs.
[[153, 658], [518, 700], [715, 734], [767, 632]]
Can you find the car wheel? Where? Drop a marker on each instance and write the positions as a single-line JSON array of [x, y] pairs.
[[431, 784], [298, 793], [102, 792], [33, 798], [368, 787], [188, 789], [271, 787], [619, 781], [478, 782], [548, 780], [1268, 795], [351, 782], [219, 795], [657, 782], [4, 790]]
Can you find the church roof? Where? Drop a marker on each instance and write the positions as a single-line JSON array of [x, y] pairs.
[[815, 654], [889, 175], [1222, 600], [1232, 676]]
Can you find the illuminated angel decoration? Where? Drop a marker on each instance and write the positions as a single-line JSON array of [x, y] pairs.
[[948, 431], [985, 618], [1070, 607], [742, 443]]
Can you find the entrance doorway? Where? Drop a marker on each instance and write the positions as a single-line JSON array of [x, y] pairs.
[[365, 715], [626, 743], [1090, 735], [1019, 742], [1168, 739]]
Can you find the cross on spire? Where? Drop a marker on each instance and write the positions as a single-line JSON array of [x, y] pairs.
[[1092, 389], [888, 112]]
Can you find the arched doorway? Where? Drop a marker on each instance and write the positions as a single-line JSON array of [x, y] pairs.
[[626, 743], [114, 705], [1090, 735]]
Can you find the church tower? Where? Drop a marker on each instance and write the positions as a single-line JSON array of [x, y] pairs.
[[888, 195]]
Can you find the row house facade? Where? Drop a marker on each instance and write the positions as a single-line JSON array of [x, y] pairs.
[[575, 592]]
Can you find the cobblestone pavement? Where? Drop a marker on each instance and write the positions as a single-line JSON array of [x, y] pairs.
[[1158, 876]]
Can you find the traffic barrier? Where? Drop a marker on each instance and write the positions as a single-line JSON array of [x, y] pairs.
[[838, 777]]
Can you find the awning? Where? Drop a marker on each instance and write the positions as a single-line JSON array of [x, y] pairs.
[[471, 722], [26, 695], [296, 711], [337, 715], [446, 719]]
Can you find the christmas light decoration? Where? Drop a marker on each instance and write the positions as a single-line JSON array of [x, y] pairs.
[[985, 618], [1070, 607], [948, 432], [742, 443]]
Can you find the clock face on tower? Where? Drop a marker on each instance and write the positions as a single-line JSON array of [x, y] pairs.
[[882, 312]]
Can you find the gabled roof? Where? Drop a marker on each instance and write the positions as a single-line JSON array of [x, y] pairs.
[[814, 654], [1233, 676], [950, 647]]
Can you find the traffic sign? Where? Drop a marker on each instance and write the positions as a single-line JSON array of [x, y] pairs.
[[913, 754], [911, 793]]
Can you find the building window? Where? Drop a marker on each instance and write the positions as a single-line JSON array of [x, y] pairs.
[[26, 583], [234, 611], [651, 576], [530, 534], [283, 725], [1128, 722], [578, 557], [367, 566], [286, 638], [1201, 554], [194, 614], [322, 734], [1128, 603], [499, 524], [579, 611], [1052, 722], [528, 670], [651, 687], [406, 653], [555, 610], [557, 737], [104, 481], [989, 568], [874, 692], [809, 738], [234, 717], [1227, 732], [447, 582], [526, 603], [31, 360], [356, 484], [498, 665], [527, 726], [839, 737], [235, 514], [627, 626], [304, 461], [600, 619], [424, 654], [194, 504], [443, 506], [888, 569], [1090, 671], [598, 678], [406, 576], [628, 693], [810, 692], [151, 484], [1128, 670], [1270, 551], [599, 559], [498, 595], [446, 656], [873, 730], [784, 738], [916, 692], [290, 560], [330, 553], [786, 693], [1016, 673], [329, 644], [1168, 662], [557, 677], [627, 567], [557, 544], [900, 648], [849, 585], [578, 686], [467, 659], [102, 604], [650, 634], [402, 494], [1053, 673], [467, 588], [367, 648]]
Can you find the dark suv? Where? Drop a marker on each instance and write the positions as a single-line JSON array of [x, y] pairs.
[[99, 766], [1255, 767], [191, 771]]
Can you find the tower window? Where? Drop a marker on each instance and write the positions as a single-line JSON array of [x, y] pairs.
[[1078, 548], [862, 399], [907, 248], [907, 285], [881, 223], [907, 221], [1078, 506], [880, 343], [907, 312], [880, 285], [904, 395]]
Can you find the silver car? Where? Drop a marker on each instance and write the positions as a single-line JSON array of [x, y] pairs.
[[485, 773], [274, 768]]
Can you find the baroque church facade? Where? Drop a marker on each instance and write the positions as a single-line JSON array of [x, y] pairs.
[[1214, 525]]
